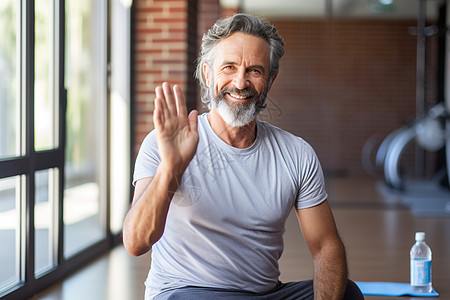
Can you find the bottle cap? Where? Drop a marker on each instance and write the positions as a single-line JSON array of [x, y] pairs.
[[420, 236]]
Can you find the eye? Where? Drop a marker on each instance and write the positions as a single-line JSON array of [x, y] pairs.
[[256, 71], [228, 68]]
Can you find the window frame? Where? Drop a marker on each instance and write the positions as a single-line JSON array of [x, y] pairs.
[[30, 161]]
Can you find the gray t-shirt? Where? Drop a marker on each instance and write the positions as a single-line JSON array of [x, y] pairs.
[[226, 221]]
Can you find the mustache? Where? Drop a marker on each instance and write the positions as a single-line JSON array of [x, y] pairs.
[[247, 92]]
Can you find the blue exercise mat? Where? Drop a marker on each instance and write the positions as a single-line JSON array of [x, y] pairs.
[[392, 289]]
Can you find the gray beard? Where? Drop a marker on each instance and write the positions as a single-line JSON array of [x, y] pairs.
[[238, 114]]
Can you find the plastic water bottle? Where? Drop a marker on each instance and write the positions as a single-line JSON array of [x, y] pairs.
[[420, 256]]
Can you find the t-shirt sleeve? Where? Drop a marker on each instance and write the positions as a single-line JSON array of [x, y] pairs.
[[312, 183], [148, 159]]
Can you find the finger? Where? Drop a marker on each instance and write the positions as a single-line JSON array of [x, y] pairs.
[[179, 98], [158, 115], [170, 99], [160, 103], [157, 118], [193, 121], [159, 92]]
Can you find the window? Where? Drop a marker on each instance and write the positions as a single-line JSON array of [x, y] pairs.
[[58, 207], [120, 112], [11, 196], [85, 80], [45, 105], [10, 74], [10, 230], [45, 221]]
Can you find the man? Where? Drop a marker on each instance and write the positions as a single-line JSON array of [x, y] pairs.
[[212, 192]]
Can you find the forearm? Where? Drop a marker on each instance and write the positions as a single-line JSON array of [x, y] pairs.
[[330, 272], [145, 221]]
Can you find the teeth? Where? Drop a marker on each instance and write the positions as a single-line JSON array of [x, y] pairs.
[[238, 96]]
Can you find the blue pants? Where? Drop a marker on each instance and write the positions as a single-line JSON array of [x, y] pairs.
[[283, 291]]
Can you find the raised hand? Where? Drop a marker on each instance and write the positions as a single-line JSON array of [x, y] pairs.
[[177, 139], [176, 132]]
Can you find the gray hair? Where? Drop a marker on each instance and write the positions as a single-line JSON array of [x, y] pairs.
[[222, 29]]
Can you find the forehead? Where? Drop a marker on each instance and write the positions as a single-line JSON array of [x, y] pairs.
[[240, 47]]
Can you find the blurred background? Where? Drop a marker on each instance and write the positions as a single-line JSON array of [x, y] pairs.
[[363, 81]]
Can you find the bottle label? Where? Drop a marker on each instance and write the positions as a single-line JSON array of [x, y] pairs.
[[420, 272]]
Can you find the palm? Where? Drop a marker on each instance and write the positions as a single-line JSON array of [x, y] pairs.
[[177, 134]]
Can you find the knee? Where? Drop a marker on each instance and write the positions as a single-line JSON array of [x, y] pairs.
[[352, 291]]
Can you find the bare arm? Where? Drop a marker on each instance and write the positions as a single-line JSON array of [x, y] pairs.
[[177, 139], [328, 252]]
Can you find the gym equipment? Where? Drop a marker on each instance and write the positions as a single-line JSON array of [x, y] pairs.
[[428, 132]]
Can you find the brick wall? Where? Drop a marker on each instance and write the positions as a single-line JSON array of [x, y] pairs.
[[167, 37], [209, 12], [343, 81], [161, 54]]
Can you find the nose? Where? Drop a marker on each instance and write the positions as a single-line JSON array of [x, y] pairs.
[[240, 81]]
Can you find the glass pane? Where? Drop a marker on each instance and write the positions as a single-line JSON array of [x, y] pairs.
[[44, 122], [85, 150], [120, 113], [45, 219], [9, 83], [9, 231]]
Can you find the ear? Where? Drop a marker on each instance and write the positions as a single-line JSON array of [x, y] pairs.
[[205, 68]]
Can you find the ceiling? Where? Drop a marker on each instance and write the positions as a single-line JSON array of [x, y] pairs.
[[396, 9]]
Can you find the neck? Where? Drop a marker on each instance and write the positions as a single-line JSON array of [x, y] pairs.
[[238, 137]]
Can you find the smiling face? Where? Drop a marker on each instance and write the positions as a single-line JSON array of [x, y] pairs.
[[239, 78]]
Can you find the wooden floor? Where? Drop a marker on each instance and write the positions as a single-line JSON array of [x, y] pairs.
[[377, 229]]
